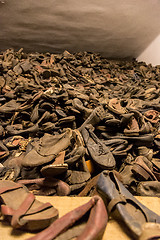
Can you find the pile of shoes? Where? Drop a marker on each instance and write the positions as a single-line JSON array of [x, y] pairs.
[[65, 118], [70, 116]]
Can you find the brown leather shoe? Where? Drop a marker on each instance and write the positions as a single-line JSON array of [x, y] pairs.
[[99, 152]]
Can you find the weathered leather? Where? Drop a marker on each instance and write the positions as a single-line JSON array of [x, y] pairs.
[[149, 188], [94, 228], [146, 139], [141, 169], [97, 115], [47, 148], [24, 211], [130, 210], [100, 153]]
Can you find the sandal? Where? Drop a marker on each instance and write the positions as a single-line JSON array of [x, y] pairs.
[[93, 229], [129, 209], [21, 208]]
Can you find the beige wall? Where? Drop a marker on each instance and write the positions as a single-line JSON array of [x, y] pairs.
[[115, 28], [152, 53]]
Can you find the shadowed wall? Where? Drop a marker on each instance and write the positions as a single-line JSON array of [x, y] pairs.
[[116, 29]]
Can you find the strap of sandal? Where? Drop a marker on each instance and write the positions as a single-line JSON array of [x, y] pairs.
[[22, 210], [115, 201], [26, 204], [6, 189], [10, 212], [124, 200]]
